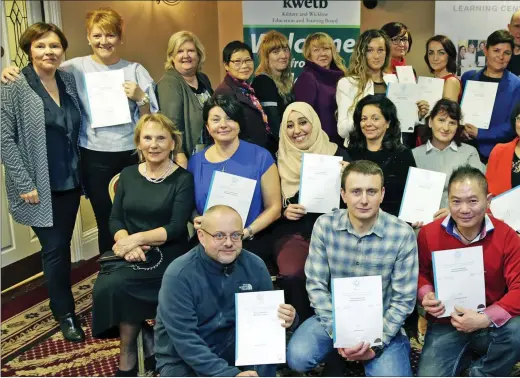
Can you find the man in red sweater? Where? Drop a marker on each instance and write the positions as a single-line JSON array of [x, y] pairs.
[[493, 333]]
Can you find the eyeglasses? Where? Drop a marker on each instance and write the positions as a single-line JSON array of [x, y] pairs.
[[220, 236], [238, 63], [398, 40]]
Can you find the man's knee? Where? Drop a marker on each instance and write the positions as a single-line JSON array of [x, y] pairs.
[[512, 330], [298, 357]]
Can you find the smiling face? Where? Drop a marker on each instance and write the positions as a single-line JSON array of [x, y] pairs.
[[498, 56], [222, 128], [187, 59], [279, 59], [400, 45], [376, 54], [443, 128], [104, 44], [373, 123], [321, 55], [241, 65], [363, 195], [155, 143], [47, 52], [437, 56], [468, 203], [299, 130]]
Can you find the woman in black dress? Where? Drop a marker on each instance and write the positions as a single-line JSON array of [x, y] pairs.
[[377, 137], [153, 203]]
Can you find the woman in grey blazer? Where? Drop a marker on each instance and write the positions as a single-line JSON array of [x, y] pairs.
[[40, 125], [184, 89]]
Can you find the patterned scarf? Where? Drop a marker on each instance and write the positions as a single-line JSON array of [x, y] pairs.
[[249, 92]]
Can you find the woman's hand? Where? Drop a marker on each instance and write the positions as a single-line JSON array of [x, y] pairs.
[[133, 91], [294, 212], [470, 131], [423, 108], [10, 74], [344, 164], [31, 197], [126, 244], [137, 254], [197, 222]]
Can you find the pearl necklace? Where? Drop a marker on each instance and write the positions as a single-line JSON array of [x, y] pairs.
[[159, 179]]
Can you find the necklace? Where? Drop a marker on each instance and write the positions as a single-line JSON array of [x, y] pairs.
[[159, 179], [461, 234]]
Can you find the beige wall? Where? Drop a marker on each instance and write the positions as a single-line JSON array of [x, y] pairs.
[[419, 16]]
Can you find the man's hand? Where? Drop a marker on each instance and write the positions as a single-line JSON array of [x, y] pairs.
[[441, 213], [432, 305], [360, 352], [197, 222], [10, 74], [467, 321], [287, 313], [294, 212], [248, 373]]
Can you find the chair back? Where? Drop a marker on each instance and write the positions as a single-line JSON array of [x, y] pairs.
[[112, 186]]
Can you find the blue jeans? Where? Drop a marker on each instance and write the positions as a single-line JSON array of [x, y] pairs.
[[444, 352], [311, 344]]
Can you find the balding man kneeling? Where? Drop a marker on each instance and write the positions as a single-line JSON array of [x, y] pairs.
[[195, 330]]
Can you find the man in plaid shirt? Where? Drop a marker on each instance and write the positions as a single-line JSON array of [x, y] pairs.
[[360, 241]]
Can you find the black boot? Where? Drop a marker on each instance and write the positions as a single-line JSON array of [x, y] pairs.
[[70, 328], [127, 373]]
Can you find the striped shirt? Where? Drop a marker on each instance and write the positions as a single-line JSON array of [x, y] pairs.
[[389, 249]]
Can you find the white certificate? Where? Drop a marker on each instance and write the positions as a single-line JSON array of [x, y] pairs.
[[404, 97], [505, 206], [107, 99], [357, 310], [320, 183], [260, 337], [459, 279], [430, 89], [422, 195], [405, 74], [231, 190], [390, 78], [477, 103]]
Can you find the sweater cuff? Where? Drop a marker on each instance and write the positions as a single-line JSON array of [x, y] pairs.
[[425, 289], [497, 314]]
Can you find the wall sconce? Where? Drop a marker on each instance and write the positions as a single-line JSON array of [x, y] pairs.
[[169, 2]]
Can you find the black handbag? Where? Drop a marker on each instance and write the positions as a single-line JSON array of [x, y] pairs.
[[110, 262]]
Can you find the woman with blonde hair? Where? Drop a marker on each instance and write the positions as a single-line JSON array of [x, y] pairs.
[[274, 81], [316, 85], [184, 89], [153, 203], [105, 151]]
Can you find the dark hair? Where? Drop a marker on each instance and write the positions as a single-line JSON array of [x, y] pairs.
[[37, 31], [450, 49], [233, 47], [231, 107], [515, 113], [452, 109], [365, 167], [392, 137], [500, 36], [468, 172], [394, 29]]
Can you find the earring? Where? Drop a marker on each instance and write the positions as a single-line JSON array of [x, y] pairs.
[[140, 155]]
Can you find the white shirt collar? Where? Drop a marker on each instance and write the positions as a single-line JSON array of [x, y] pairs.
[[430, 146]]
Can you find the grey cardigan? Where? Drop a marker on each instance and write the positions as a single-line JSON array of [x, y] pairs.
[[24, 149], [178, 102]]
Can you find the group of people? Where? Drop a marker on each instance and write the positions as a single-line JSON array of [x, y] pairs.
[[182, 132]]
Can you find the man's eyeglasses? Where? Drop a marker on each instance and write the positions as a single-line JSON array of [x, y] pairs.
[[238, 62], [220, 236], [398, 40]]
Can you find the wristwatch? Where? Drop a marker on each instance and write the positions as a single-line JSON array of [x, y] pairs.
[[378, 350], [250, 232], [144, 101]]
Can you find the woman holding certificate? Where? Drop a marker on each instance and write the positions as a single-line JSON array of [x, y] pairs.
[[377, 137], [245, 161], [40, 123], [499, 49], [107, 149], [301, 133]]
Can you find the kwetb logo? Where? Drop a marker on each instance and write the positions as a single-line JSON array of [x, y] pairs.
[[316, 4]]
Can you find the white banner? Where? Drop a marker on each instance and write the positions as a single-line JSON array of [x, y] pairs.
[[468, 24]]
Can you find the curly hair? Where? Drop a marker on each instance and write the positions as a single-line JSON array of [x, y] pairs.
[[391, 139]]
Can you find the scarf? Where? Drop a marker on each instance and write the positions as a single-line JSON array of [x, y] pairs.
[[396, 62], [290, 156]]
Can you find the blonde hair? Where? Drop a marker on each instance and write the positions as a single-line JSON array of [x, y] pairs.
[[106, 19], [358, 66], [274, 40], [323, 39], [166, 124], [175, 43]]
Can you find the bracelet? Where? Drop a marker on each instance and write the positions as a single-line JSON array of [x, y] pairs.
[[144, 101]]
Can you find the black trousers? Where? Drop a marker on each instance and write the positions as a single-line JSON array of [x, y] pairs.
[[55, 242], [97, 169]]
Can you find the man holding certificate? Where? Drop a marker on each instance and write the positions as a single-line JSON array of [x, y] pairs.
[[197, 333], [360, 241], [490, 329]]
